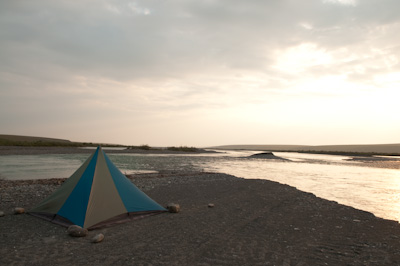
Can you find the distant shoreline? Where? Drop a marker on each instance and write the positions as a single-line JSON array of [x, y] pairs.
[[43, 145], [345, 153], [37, 150], [345, 150]]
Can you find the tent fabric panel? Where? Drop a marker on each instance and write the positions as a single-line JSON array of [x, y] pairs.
[[74, 208], [55, 201], [133, 198], [104, 201]]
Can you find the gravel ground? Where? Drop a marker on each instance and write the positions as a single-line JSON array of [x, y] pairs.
[[254, 222]]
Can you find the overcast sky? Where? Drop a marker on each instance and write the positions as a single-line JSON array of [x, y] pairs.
[[201, 73]]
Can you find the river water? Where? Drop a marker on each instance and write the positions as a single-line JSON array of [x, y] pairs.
[[370, 185]]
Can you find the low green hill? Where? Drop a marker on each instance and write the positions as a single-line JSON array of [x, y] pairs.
[[29, 141], [15, 140]]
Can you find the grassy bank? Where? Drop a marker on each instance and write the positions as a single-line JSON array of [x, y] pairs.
[[28, 141]]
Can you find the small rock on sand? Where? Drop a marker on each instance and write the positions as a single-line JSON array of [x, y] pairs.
[[19, 210], [97, 238], [211, 205], [77, 231], [174, 208], [2, 214]]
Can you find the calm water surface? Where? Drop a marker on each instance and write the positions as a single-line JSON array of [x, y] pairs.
[[370, 186]]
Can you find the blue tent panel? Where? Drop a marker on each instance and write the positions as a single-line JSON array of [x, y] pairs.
[[74, 208], [133, 198]]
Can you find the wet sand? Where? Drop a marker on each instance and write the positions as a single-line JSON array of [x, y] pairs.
[[254, 222]]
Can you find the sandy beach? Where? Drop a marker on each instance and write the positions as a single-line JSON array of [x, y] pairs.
[[254, 222]]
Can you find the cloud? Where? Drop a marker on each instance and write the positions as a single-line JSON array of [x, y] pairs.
[[163, 43]]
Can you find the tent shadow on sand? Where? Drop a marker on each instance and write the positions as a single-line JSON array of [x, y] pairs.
[[96, 195]]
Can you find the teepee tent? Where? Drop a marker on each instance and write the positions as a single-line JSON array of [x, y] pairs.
[[97, 194]]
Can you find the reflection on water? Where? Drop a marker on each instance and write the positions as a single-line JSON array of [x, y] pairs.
[[356, 184], [362, 184]]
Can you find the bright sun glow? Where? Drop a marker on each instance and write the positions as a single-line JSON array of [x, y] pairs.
[[301, 57], [342, 2]]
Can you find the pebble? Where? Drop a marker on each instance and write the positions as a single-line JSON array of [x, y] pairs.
[[19, 210], [2, 214], [173, 208], [97, 238], [211, 205], [77, 231]]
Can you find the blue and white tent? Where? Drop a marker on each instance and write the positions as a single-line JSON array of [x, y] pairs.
[[97, 194]]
